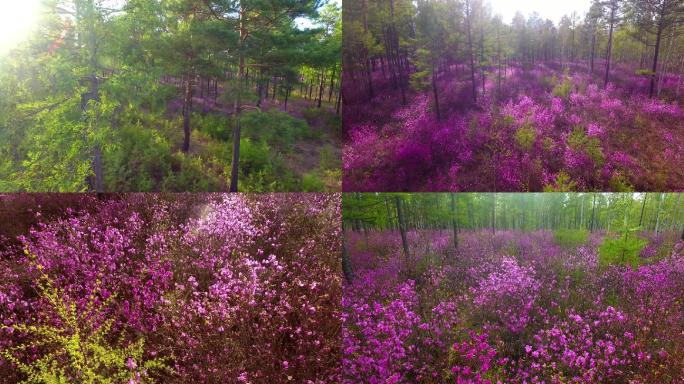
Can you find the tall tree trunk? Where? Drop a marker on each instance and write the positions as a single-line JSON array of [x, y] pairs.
[[338, 104], [275, 87], [654, 69], [643, 206], [679, 78], [582, 213], [402, 82], [470, 50], [287, 94], [593, 50], [572, 41], [498, 60], [369, 72], [610, 46], [434, 91], [454, 219], [482, 69], [332, 85], [402, 231], [237, 108], [493, 212], [187, 110], [593, 213], [320, 89], [660, 204]]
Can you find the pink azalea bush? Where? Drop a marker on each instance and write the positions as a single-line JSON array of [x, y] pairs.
[[545, 129], [224, 288], [510, 307]]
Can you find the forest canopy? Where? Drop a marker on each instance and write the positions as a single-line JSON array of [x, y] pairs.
[[656, 212]]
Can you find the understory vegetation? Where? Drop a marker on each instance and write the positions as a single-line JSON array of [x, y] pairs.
[[465, 101], [177, 288], [514, 288]]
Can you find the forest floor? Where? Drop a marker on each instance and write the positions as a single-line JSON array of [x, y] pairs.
[[550, 127], [513, 307]]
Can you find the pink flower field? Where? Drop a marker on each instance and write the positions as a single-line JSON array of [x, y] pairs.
[[513, 96], [545, 129], [170, 288], [511, 307]]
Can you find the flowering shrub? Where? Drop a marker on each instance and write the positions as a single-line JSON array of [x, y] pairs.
[[587, 348], [471, 360], [376, 346], [512, 307], [75, 345], [507, 295], [517, 138], [223, 288]]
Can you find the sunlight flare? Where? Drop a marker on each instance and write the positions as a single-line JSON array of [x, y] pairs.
[[17, 20]]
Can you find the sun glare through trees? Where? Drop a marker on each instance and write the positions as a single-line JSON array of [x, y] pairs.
[[17, 20], [166, 95]]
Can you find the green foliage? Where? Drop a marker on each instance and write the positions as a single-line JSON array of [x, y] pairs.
[[263, 171], [591, 146], [644, 72], [254, 156], [191, 173], [76, 347], [623, 250], [525, 137], [550, 81], [619, 183], [420, 80], [332, 179], [140, 51], [563, 183], [323, 117], [311, 183], [215, 125], [508, 120], [57, 150], [141, 159], [570, 238], [548, 144], [274, 127], [329, 159], [562, 90], [328, 175], [134, 87]]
